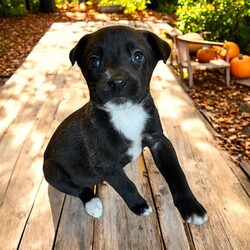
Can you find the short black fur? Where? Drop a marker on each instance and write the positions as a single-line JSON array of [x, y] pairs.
[[88, 148]]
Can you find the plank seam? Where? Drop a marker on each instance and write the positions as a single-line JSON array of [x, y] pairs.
[[189, 236], [157, 214], [28, 217], [58, 223]]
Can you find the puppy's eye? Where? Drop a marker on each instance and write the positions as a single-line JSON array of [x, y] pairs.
[[137, 57], [94, 62]]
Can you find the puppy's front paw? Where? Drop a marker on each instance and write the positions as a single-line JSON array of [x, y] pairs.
[[191, 210], [94, 207], [142, 210], [197, 219]]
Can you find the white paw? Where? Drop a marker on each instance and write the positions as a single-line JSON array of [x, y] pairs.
[[94, 207], [147, 211], [197, 219]]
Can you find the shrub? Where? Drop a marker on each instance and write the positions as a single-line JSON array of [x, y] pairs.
[[22, 7], [130, 5], [168, 6], [12, 8], [225, 19]]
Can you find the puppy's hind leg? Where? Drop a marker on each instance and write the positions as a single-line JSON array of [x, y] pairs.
[[56, 176], [93, 205]]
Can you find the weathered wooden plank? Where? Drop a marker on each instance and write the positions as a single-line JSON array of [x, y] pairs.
[[75, 228], [41, 228], [25, 178], [19, 198], [244, 180], [209, 175], [21, 96], [51, 202], [230, 199], [119, 228], [214, 232], [36, 67], [245, 167], [171, 224], [35, 112], [21, 99], [50, 56], [226, 196], [41, 224], [30, 214]]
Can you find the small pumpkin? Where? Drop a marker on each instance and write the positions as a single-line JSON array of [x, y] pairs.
[[233, 49], [221, 52], [193, 47], [240, 66], [206, 54]]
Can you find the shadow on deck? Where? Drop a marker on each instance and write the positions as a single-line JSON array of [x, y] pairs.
[[45, 90]]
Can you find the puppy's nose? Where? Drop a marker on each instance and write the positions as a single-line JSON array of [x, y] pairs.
[[117, 82]]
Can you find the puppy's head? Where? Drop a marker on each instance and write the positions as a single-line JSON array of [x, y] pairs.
[[117, 63]]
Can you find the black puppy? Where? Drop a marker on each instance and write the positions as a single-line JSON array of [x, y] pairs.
[[94, 143]]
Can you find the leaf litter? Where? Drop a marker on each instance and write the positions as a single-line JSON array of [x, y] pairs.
[[227, 109]]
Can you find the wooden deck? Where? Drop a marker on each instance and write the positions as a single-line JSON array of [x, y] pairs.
[[33, 215]]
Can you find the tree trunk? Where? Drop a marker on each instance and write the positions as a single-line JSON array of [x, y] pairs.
[[27, 5], [47, 6]]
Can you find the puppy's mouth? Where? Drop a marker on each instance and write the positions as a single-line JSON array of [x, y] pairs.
[[119, 100], [118, 103]]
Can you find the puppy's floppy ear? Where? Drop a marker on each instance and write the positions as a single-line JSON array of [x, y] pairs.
[[76, 54], [158, 45]]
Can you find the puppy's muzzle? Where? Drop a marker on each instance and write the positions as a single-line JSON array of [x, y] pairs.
[[117, 82], [118, 88]]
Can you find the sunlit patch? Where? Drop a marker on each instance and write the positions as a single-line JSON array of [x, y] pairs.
[[191, 124], [203, 146], [19, 133]]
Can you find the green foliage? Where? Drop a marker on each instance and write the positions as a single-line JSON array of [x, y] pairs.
[[12, 8], [225, 19], [34, 5], [19, 8], [169, 6], [130, 5]]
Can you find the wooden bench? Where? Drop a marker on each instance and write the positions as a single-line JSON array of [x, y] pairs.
[[33, 215], [185, 60]]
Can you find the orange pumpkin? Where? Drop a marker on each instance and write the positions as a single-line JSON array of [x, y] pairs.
[[240, 66], [233, 49], [206, 54]]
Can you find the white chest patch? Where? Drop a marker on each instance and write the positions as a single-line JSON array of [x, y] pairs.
[[130, 122]]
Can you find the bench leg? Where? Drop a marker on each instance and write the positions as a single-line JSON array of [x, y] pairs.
[[190, 77], [181, 73], [228, 76]]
